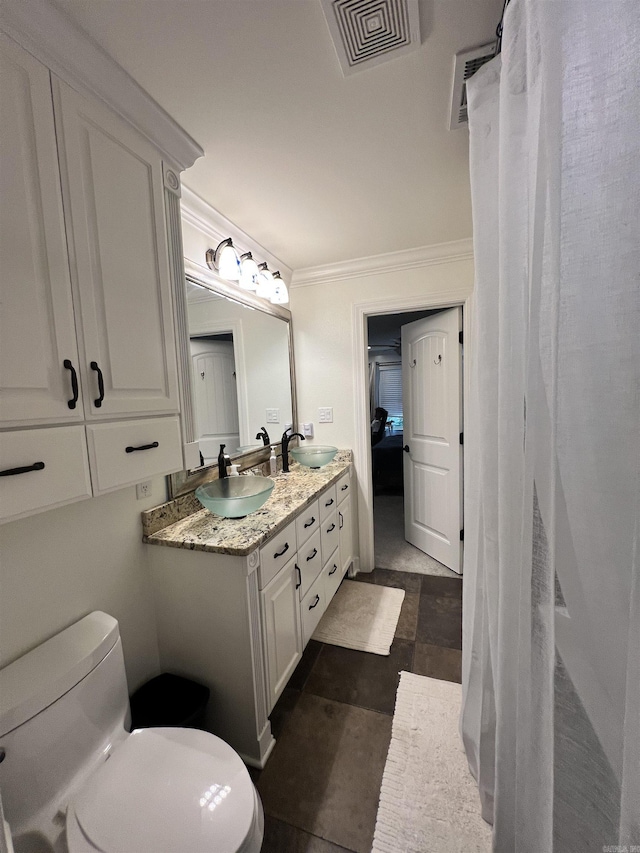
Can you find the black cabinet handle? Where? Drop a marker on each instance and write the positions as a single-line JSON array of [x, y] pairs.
[[10, 472], [341, 519], [74, 383], [333, 527], [98, 401], [311, 556], [299, 584], [346, 486], [329, 502], [333, 570], [406, 448], [142, 447], [280, 553], [311, 606], [309, 523]]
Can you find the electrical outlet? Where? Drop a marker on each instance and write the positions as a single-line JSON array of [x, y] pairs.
[[273, 416], [143, 490], [325, 415], [307, 430]]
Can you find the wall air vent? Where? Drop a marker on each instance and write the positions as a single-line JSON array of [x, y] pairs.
[[368, 32], [466, 65]]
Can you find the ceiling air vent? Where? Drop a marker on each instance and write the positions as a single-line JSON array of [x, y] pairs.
[[368, 32], [467, 63]]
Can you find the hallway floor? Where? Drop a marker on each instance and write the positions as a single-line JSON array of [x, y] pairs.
[[332, 724]]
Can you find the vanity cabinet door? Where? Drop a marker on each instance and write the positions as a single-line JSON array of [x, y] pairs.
[[37, 333], [282, 630], [113, 190], [346, 534]]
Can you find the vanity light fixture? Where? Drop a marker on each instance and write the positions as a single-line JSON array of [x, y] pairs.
[[224, 259], [266, 285], [249, 272], [280, 295]]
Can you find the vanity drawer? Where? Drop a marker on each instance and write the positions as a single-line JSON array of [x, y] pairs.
[[312, 607], [332, 576], [307, 522], [309, 563], [343, 486], [327, 501], [329, 535], [128, 452], [276, 552]]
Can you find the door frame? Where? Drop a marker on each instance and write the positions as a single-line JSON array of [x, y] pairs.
[[362, 450]]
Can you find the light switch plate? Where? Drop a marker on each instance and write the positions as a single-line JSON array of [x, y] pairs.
[[273, 416], [325, 415]]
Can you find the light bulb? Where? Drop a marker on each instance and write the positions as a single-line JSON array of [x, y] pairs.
[[249, 272], [228, 262], [266, 284], [280, 295]]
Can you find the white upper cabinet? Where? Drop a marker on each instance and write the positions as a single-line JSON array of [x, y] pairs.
[[37, 334], [113, 191]]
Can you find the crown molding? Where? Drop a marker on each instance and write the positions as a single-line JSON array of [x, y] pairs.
[[439, 253], [201, 215], [73, 56]]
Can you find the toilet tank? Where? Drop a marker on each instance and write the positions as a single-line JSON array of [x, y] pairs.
[[62, 707]]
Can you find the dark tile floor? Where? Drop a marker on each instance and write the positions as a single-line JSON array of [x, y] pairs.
[[332, 724]]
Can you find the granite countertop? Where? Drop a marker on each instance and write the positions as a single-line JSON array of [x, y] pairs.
[[203, 531]]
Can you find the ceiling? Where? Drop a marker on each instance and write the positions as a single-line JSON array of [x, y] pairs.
[[315, 166]]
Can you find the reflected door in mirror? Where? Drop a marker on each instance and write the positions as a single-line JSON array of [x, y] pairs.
[[214, 380]]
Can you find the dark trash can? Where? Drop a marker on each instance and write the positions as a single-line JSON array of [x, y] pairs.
[[169, 700]]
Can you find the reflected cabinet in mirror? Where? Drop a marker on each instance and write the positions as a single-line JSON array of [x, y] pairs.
[[241, 373]]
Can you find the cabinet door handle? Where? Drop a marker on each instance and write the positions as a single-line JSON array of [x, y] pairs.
[[344, 488], [309, 523], [142, 447], [299, 584], [311, 606], [10, 472], [328, 503], [280, 553], [74, 383], [98, 401], [333, 570], [312, 555], [333, 527], [341, 516]]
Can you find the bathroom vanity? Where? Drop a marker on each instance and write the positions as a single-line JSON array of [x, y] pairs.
[[237, 600]]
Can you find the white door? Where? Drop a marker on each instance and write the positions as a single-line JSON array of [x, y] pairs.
[[282, 629], [214, 381], [38, 351], [431, 383], [113, 187]]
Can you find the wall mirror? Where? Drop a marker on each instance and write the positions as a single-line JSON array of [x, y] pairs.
[[242, 373]]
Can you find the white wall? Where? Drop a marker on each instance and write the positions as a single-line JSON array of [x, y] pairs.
[[59, 565], [323, 332]]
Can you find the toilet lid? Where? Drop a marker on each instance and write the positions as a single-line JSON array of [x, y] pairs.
[[168, 789]]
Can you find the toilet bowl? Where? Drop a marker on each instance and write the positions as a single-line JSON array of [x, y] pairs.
[[75, 781]]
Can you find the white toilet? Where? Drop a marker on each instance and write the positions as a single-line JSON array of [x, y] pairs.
[[73, 780]]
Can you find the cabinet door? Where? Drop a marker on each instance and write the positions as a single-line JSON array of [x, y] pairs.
[[282, 630], [37, 333], [346, 534], [114, 204]]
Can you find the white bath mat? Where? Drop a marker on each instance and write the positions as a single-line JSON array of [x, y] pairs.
[[361, 616], [429, 802]]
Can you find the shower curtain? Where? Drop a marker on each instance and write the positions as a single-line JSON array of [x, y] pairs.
[[551, 625]]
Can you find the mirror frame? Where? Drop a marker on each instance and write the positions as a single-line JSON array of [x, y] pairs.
[[186, 481]]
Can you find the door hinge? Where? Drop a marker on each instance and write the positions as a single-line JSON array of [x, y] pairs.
[[462, 535], [461, 438], [461, 337]]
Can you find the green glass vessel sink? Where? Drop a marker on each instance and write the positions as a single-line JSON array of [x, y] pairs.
[[314, 456], [235, 497]]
